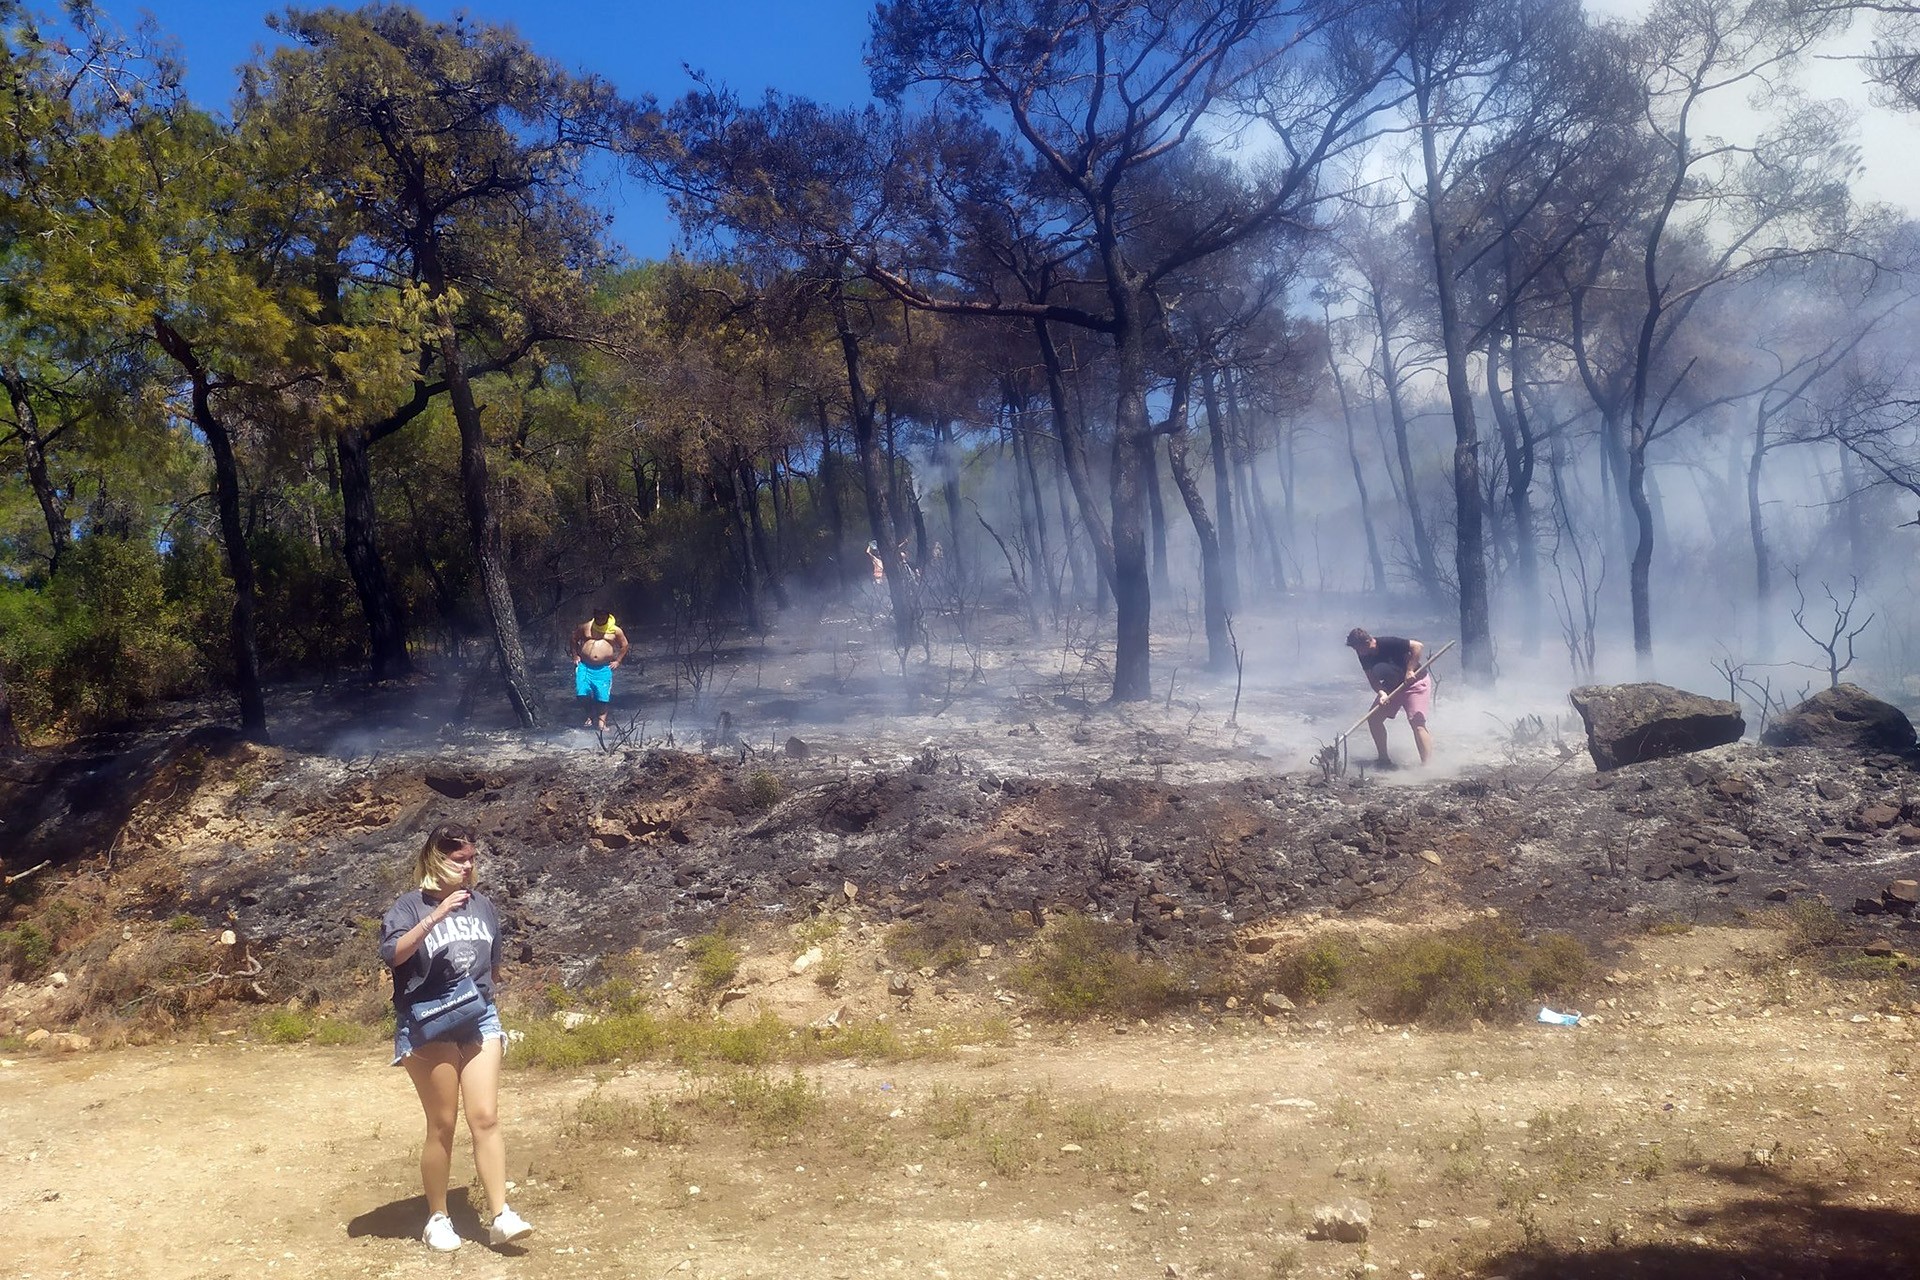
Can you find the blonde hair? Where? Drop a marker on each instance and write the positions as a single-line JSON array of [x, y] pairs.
[[431, 869]]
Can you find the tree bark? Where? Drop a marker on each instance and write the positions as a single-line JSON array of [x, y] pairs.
[[1756, 530], [874, 474], [1132, 442], [830, 482], [1521, 450], [1409, 485], [1073, 454], [1374, 560], [483, 534], [1212, 584], [33, 447], [737, 493], [241, 630], [1469, 548], [1222, 490], [379, 604], [1640, 570], [749, 482], [1023, 454], [10, 744], [1256, 502], [950, 494], [1156, 518]]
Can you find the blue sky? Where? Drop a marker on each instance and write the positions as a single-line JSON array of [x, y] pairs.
[[810, 47]]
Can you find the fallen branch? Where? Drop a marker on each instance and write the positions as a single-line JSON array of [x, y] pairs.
[[29, 871]]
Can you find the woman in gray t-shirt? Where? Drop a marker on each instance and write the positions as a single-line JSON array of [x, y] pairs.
[[438, 933]]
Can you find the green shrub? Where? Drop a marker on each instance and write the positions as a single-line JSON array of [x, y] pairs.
[[1316, 970], [25, 950], [183, 923], [1084, 967], [1814, 923], [763, 790], [1485, 970], [771, 1109], [624, 1036], [103, 637], [715, 961], [284, 1026], [621, 1120], [947, 934]]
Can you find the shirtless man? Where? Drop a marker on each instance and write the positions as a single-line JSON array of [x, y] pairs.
[[1388, 661], [598, 648]]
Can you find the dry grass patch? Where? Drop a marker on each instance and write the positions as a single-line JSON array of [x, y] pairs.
[[1083, 967], [948, 934], [1486, 970]]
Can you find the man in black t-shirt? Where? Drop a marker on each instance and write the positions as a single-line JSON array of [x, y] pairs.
[[1388, 661]]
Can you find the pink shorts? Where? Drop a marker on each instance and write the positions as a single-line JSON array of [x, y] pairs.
[[1415, 700]]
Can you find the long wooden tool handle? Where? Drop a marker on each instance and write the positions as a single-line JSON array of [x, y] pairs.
[[1417, 673]]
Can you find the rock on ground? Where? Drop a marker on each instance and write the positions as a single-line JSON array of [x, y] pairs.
[[1629, 723], [1846, 717]]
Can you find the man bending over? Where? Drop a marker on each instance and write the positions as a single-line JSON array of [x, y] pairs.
[[1389, 662]]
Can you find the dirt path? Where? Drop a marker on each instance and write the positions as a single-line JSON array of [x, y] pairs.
[[1691, 1130]]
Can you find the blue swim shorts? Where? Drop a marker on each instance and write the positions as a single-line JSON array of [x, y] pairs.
[[592, 682]]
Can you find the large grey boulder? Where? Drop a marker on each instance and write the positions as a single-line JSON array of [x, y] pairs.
[[1847, 717], [1628, 723]]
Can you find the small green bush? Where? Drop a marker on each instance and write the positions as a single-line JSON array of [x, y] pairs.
[[947, 934], [1485, 970], [284, 1026], [1814, 923], [774, 1110], [763, 790], [1083, 967], [625, 1036], [1316, 970], [25, 950], [619, 1120], [715, 961], [183, 923]]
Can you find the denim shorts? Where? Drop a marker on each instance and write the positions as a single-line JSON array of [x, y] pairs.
[[489, 1026]]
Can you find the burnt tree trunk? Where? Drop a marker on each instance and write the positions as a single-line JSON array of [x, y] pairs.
[[33, 448], [483, 534], [1262, 509], [1212, 584], [950, 494], [737, 500], [379, 603], [1757, 532], [1469, 538], [1222, 490], [1375, 562], [874, 475], [830, 482], [1157, 519], [1132, 457], [1029, 474], [10, 744], [241, 629], [1521, 449], [1403, 450], [1073, 455], [242, 623], [748, 482], [782, 520]]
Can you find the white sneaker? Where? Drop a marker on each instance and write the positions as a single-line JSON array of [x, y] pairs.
[[507, 1226], [440, 1233]]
